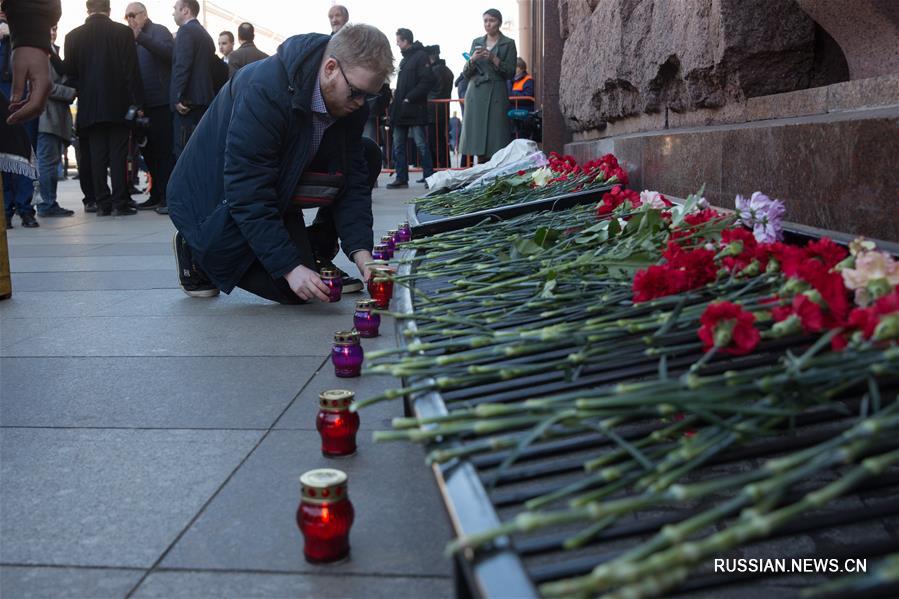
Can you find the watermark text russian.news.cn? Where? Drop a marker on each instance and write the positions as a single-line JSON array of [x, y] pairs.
[[808, 565]]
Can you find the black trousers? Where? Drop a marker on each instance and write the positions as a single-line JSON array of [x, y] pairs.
[[184, 125], [317, 241], [109, 150], [158, 153], [85, 172]]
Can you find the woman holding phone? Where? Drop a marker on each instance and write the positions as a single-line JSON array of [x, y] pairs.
[[485, 125]]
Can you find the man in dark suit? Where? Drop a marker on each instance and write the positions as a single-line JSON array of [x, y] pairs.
[[192, 87], [102, 61], [154, 55], [248, 52]]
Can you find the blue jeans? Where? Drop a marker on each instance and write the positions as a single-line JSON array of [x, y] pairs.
[[17, 193], [400, 134], [48, 159]]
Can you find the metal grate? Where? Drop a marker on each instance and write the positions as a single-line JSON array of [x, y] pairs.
[[864, 524]]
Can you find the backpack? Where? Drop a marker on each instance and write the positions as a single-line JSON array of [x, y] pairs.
[[220, 72]]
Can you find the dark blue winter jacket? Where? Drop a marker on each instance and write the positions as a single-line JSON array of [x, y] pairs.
[[232, 184]]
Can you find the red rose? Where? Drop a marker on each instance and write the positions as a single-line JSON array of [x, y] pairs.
[[728, 327]]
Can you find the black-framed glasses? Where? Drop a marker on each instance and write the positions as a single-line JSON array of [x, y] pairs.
[[355, 93], [131, 15]]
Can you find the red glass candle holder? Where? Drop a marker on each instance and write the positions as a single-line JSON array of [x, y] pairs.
[[380, 287], [347, 354], [364, 320], [404, 232], [332, 279], [380, 252], [325, 516], [336, 424], [387, 241]]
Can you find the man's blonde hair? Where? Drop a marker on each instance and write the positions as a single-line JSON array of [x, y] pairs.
[[362, 46]]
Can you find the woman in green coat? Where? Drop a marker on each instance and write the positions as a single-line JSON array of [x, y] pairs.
[[485, 123]]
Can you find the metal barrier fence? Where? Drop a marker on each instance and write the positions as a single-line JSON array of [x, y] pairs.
[[442, 142]]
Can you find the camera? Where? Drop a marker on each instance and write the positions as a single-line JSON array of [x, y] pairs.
[[134, 120]]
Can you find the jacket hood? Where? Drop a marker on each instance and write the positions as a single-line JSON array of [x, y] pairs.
[[415, 47], [301, 57]]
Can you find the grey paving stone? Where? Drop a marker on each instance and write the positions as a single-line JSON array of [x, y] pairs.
[[302, 412], [400, 527], [134, 248], [93, 263], [66, 583], [162, 302], [64, 304], [221, 334], [33, 250], [185, 392], [197, 585], [107, 497], [14, 330], [73, 281]]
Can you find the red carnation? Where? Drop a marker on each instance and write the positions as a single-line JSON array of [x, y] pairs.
[[748, 252], [810, 314], [656, 281], [728, 327], [826, 251]]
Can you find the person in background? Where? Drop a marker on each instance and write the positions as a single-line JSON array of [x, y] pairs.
[[18, 187], [54, 130], [455, 128], [485, 122], [28, 24], [192, 88], [522, 85], [438, 112], [409, 112], [290, 127], [338, 16], [247, 52], [226, 44], [101, 60], [154, 56]]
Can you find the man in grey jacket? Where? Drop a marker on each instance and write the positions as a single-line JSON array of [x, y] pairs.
[[54, 131]]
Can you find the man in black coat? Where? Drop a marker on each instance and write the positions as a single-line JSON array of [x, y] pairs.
[[102, 62], [438, 112], [192, 87], [154, 55], [247, 52], [409, 112], [285, 132]]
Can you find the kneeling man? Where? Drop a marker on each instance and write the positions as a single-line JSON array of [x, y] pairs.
[[282, 134]]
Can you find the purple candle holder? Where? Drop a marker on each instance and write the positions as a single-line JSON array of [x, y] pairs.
[[365, 321], [404, 232], [387, 240], [347, 354], [332, 279], [395, 235], [380, 252]]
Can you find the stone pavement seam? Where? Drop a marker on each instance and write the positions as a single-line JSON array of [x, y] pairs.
[[187, 527]]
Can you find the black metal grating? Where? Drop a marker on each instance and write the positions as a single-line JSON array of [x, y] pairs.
[[864, 524]]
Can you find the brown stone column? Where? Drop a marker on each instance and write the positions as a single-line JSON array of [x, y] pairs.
[[555, 133]]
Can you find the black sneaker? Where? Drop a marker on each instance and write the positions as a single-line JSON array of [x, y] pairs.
[[29, 222], [55, 210], [150, 204], [398, 185], [193, 282], [162, 209]]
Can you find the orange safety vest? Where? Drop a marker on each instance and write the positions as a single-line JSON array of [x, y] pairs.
[[518, 86]]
